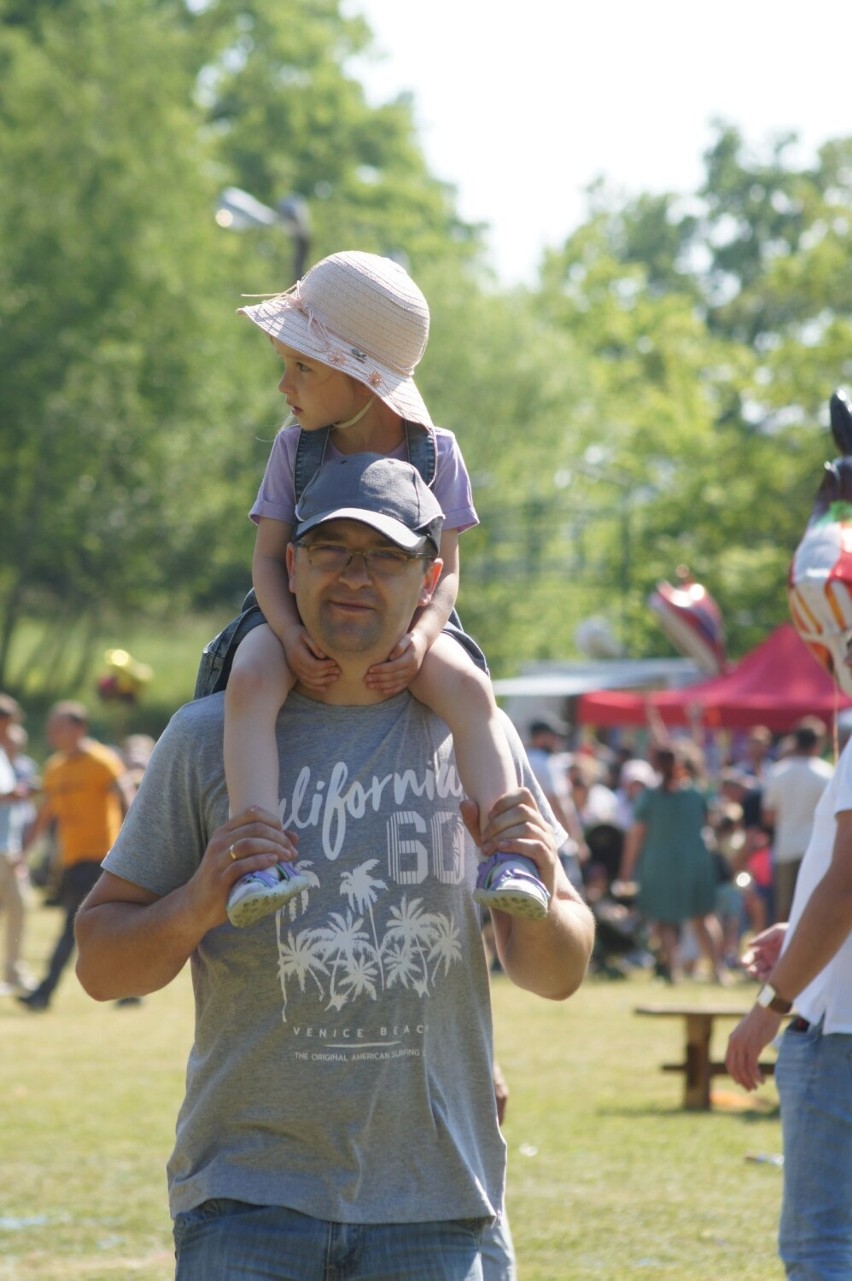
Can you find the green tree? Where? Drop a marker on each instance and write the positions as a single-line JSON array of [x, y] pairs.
[[516, 391], [116, 380], [289, 116], [139, 410], [719, 325]]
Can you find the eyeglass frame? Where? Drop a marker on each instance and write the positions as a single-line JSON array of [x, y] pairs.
[[397, 555]]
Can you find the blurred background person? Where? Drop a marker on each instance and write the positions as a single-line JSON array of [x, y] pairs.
[[666, 850], [14, 886], [86, 797], [136, 753], [791, 792], [757, 753], [545, 751]]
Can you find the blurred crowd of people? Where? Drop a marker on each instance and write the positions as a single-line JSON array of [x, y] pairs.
[[56, 825], [681, 861]]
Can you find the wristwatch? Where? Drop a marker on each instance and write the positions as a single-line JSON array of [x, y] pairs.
[[770, 1000]]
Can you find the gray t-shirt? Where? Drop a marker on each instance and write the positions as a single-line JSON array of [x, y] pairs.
[[342, 1062]]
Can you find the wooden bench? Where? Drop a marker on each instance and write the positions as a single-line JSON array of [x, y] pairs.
[[698, 1067]]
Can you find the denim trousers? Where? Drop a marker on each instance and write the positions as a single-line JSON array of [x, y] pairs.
[[814, 1078], [226, 1240], [498, 1252], [76, 882]]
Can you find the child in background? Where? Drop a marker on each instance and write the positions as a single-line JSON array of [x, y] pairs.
[[350, 334]]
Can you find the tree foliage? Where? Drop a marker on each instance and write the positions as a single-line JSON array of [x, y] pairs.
[[109, 304], [138, 409], [719, 325], [658, 397]]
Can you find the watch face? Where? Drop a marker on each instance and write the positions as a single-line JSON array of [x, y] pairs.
[[770, 1000]]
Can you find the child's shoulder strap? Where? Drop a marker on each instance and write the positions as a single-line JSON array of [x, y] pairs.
[[422, 450], [310, 454]]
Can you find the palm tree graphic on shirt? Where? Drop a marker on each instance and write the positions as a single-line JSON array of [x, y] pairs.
[[346, 960]]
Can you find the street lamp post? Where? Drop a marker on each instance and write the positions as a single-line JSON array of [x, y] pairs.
[[237, 210]]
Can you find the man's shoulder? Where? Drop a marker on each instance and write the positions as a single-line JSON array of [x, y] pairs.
[[98, 751], [198, 717], [777, 770], [803, 767], [102, 761]]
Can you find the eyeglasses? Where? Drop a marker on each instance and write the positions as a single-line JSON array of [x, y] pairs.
[[334, 558]]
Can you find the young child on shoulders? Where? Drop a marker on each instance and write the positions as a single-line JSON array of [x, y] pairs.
[[350, 334]]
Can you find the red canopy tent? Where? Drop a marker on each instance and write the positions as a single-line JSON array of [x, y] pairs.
[[775, 685]]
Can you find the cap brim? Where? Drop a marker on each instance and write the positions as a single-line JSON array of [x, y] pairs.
[[393, 529]]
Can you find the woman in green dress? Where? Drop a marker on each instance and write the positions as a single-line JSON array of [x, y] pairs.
[[674, 869]]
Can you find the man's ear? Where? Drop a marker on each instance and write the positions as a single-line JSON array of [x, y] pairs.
[[290, 562], [430, 581]]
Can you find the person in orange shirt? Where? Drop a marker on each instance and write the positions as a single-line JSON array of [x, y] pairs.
[[85, 795]]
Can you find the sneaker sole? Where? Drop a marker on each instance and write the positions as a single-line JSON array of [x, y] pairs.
[[249, 910], [514, 903]]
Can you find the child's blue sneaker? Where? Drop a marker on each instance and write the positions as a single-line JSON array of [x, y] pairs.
[[258, 894], [510, 884]]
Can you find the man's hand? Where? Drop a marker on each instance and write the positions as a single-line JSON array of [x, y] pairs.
[[746, 1043], [249, 842], [311, 667], [763, 951], [515, 826], [399, 668], [501, 1093]]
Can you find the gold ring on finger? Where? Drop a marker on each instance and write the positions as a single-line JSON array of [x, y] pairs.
[[231, 855]]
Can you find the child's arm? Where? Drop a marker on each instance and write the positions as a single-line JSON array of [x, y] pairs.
[[269, 573], [403, 663]]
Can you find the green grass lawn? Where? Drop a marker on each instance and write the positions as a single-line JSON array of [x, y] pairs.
[[608, 1177]]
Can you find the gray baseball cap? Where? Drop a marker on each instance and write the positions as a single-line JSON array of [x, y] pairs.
[[387, 494]]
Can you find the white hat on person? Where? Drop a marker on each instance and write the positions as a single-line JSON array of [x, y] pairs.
[[637, 771], [359, 313]]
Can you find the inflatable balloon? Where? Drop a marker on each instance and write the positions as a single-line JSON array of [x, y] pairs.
[[819, 585], [125, 678], [594, 638], [691, 619]]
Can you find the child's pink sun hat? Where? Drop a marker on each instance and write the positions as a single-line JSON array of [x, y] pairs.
[[359, 313]]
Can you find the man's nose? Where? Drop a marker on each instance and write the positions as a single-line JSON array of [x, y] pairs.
[[356, 571]]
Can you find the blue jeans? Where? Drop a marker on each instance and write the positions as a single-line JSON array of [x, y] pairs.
[[225, 1240], [814, 1078], [498, 1253]]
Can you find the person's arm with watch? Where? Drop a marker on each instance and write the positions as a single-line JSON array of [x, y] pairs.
[[820, 931]]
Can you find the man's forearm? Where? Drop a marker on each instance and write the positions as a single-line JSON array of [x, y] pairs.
[[133, 948], [820, 932], [549, 957]]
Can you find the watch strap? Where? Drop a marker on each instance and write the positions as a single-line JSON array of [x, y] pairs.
[[770, 1000]]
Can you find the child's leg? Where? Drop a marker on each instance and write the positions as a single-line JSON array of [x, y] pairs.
[[452, 686], [258, 685]]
